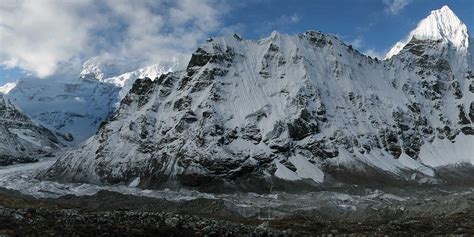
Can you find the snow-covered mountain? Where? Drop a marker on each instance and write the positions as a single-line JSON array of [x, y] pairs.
[[126, 80], [70, 106], [22, 140], [441, 24], [76, 106], [251, 115], [101, 68]]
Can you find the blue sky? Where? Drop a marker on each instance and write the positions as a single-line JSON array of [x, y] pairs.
[[369, 24], [40, 37]]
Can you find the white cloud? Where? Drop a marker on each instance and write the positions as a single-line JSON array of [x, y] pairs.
[[40, 36], [281, 23], [36, 35], [395, 6], [374, 53], [357, 42], [294, 18]]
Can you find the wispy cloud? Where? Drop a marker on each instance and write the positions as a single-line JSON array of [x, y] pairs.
[[374, 53], [294, 18], [357, 42], [281, 23], [39, 36], [394, 7]]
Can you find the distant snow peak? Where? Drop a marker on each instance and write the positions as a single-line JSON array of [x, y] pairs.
[[441, 24], [151, 72], [126, 80], [6, 88], [91, 68], [95, 68]]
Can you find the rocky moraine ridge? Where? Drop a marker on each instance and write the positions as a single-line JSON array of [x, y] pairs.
[[308, 109]]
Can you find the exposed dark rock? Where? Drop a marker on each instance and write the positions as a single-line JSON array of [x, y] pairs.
[[199, 59], [302, 127], [11, 160], [462, 116], [182, 103], [467, 130], [456, 89], [471, 111], [251, 132]]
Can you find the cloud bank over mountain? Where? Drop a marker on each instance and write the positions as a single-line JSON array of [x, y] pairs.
[[45, 35]]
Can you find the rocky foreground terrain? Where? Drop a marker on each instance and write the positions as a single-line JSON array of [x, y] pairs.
[[112, 214]]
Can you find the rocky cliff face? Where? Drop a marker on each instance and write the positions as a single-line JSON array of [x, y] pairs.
[[251, 115], [21, 140]]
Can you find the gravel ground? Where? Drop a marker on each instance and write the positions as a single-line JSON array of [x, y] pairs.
[[113, 214]]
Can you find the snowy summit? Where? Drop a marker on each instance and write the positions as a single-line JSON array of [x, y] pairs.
[[441, 24]]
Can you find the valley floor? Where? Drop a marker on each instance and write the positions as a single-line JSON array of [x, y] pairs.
[[113, 214], [30, 207]]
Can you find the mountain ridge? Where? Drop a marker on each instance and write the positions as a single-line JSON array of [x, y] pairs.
[[249, 115]]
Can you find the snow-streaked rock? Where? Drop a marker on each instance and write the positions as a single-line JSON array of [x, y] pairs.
[[246, 114]]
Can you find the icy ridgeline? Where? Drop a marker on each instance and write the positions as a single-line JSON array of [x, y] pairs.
[[77, 106], [22, 140], [252, 115]]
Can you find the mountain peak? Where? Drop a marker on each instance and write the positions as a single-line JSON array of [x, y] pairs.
[[92, 68], [441, 24], [444, 8]]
